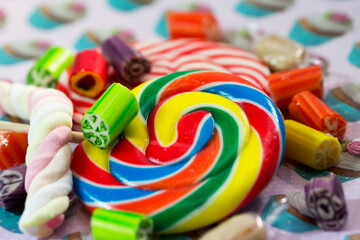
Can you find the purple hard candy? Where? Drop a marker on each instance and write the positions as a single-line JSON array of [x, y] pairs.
[[128, 63], [325, 199], [12, 190]]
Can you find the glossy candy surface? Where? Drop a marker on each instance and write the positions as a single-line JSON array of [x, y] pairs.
[[181, 55], [308, 109], [311, 147], [109, 115], [203, 179], [199, 25], [48, 68], [89, 73], [12, 148]]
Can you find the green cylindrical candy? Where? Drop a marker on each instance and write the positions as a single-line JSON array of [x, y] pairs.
[[48, 68], [110, 224], [109, 115]]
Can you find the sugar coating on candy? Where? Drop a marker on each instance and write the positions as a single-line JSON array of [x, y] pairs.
[[12, 190], [326, 200], [201, 188], [48, 178]]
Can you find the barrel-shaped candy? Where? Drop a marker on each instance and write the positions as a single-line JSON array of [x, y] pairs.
[[284, 85], [129, 64], [199, 25], [189, 180], [110, 224], [88, 73], [48, 68], [109, 115], [310, 147], [308, 109]]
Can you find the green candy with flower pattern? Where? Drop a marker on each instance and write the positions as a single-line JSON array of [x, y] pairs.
[[48, 68], [109, 115]]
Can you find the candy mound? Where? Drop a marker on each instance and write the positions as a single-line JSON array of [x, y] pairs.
[[168, 56], [199, 182]]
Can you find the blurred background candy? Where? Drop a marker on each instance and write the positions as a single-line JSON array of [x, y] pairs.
[[354, 56], [18, 52], [55, 14], [261, 8], [93, 38], [320, 28]]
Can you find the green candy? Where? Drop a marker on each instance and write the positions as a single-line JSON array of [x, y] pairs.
[[109, 115], [48, 68], [110, 224]]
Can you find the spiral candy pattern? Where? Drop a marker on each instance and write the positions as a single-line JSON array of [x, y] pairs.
[[168, 166], [168, 56], [48, 178]]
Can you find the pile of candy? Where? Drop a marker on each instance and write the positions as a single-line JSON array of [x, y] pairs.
[[179, 134]]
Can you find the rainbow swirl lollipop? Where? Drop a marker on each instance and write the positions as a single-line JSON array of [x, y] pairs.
[[203, 145]]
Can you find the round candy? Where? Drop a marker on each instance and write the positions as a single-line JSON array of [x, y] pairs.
[[168, 56], [170, 168]]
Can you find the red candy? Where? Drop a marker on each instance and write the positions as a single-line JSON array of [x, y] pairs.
[[200, 25], [88, 75], [13, 147]]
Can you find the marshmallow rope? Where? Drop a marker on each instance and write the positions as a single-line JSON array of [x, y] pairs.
[[203, 145], [48, 178]]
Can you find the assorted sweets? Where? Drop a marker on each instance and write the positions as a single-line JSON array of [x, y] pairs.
[[212, 181], [179, 133]]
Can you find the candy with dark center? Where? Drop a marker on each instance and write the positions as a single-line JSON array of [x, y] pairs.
[[325, 199], [130, 64]]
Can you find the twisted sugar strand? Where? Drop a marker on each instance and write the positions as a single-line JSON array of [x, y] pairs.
[[48, 179]]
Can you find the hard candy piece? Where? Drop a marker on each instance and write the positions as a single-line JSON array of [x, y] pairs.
[[284, 85], [13, 147], [12, 188], [326, 200], [280, 54], [129, 64], [310, 147], [48, 68], [199, 25], [88, 73], [308, 109], [110, 224], [109, 115], [245, 226]]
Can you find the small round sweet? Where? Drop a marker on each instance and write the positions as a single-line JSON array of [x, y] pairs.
[[168, 167]]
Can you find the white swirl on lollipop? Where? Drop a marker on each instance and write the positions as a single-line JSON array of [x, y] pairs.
[[48, 179]]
